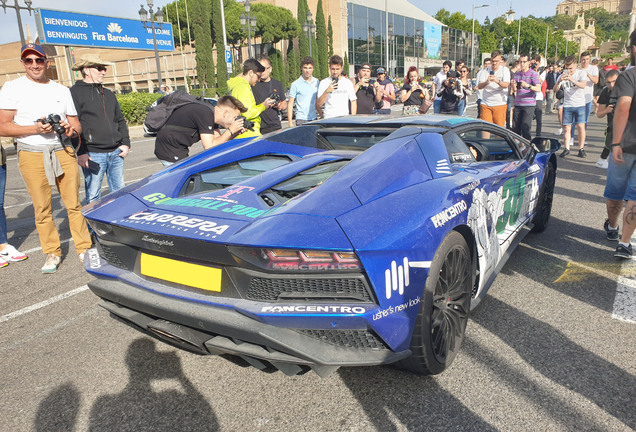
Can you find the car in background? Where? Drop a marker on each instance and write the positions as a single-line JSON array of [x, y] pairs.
[[353, 241]]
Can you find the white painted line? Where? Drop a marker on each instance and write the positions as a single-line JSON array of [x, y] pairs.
[[625, 302], [39, 248], [42, 304]]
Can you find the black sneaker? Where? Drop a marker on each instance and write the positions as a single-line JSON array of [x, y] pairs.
[[582, 153], [564, 153], [612, 234], [623, 252]]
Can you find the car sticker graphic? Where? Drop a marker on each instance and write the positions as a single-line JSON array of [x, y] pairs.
[[442, 167], [397, 278]]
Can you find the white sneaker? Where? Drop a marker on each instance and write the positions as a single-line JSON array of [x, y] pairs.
[[560, 131], [51, 263], [81, 255], [602, 163], [3, 263], [12, 254]]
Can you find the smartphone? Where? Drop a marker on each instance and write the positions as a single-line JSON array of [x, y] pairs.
[[335, 79], [492, 72], [93, 166]]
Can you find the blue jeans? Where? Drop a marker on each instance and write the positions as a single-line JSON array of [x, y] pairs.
[[621, 179], [461, 107], [3, 218], [111, 165], [437, 106]]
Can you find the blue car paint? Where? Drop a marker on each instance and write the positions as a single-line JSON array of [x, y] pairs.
[[391, 243]]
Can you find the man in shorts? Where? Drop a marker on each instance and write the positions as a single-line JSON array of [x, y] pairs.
[[621, 173], [495, 91], [573, 81]]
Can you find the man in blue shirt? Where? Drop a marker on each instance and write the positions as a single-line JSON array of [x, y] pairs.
[[303, 91]]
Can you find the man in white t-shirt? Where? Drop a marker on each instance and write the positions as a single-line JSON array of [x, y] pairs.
[[438, 82], [336, 91], [573, 81], [45, 159], [494, 86], [592, 79], [479, 93]]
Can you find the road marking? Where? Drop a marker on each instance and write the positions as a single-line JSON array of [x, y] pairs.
[[625, 301], [42, 304]]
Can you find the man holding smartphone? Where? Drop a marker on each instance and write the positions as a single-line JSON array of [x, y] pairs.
[[495, 91], [104, 141], [335, 91], [573, 82]]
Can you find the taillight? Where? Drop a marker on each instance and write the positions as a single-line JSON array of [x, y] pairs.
[[298, 260]]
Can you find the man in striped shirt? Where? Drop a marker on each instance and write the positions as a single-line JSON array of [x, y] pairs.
[[526, 84]]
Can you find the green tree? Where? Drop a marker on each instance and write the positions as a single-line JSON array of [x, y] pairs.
[[200, 13], [217, 31], [329, 39], [278, 69], [487, 44], [303, 42], [346, 64], [179, 23], [293, 62], [564, 22], [274, 23], [321, 41]]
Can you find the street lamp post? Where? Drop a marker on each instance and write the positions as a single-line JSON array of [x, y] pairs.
[[250, 20], [391, 39], [472, 40], [18, 8], [309, 27], [418, 41], [155, 18]]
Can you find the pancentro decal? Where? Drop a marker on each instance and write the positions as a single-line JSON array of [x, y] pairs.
[[314, 309], [178, 222], [449, 213], [221, 204]]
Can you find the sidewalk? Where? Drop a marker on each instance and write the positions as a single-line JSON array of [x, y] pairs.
[[136, 132]]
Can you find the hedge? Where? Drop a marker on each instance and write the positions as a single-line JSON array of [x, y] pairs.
[[134, 106]]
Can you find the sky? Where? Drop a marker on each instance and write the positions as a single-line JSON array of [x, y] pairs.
[[130, 9]]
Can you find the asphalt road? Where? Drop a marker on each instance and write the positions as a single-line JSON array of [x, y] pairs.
[[552, 348]]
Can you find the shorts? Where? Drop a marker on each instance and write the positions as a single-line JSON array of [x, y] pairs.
[[494, 114], [621, 179], [574, 115]]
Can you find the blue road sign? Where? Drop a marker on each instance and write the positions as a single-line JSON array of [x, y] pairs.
[[228, 56], [73, 29]]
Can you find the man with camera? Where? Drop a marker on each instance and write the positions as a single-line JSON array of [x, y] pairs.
[[269, 87], [450, 93], [196, 121], [367, 90], [525, 85], [104, 141], [41, 114], [241, 88], [336, 92]]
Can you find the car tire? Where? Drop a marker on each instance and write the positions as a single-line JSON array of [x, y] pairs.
[[443, 315], [544, 206]]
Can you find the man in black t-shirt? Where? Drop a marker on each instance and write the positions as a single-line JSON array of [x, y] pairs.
[[605, 106], [196, 121], [621, 173], [365, 89], [265, 88]]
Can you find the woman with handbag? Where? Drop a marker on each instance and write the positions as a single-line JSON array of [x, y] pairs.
[[415, 97], [467, 90]]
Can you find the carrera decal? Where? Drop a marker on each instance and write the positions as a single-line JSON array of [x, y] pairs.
[[315, 309], [202, 227], [220, 204], [397, 277], [394, 309], [446, 215]]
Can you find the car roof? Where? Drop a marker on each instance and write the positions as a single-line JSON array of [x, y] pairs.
[[430, 120]]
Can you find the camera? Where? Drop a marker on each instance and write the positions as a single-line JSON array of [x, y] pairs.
[[54, 121], [451, 81], [247, 124], [371, 82], [275, 96], [335, 79]]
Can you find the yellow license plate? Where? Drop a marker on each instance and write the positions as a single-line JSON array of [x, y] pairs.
[[194, 275]]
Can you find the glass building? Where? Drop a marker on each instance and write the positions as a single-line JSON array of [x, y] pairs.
[[425, 43]]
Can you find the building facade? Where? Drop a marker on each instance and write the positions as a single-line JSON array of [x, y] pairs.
[[572, 7]]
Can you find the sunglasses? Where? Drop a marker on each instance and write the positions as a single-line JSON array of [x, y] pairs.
[[38, 60], [101, 68]]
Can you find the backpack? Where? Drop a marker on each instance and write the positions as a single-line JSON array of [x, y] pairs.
[[161, 110]]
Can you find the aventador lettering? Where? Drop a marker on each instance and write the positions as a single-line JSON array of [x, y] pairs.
[[446, 215]]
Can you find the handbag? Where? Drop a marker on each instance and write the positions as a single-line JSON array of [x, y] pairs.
[[426, 104], [560, 93]]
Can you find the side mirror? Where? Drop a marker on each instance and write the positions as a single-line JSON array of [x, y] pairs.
[[544, 144]]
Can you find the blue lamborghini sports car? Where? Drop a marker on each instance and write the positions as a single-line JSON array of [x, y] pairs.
[[352, 241]]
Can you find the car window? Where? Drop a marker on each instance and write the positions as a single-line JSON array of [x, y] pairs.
[[492, 145], [458, 150], [523, 147]]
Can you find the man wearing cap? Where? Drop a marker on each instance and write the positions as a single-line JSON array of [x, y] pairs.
[[44, 159], [104, 139], [366, 90], [387, 92]]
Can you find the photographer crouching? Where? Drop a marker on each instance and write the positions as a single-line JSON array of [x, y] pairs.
[[41, 114], [451, 93]]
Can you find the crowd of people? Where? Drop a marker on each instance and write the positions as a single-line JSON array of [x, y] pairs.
[[58, 130]]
